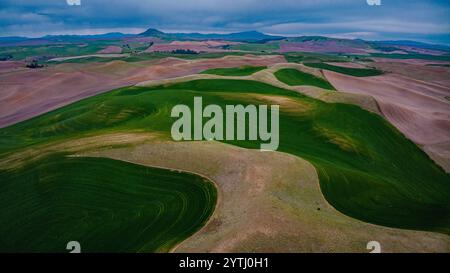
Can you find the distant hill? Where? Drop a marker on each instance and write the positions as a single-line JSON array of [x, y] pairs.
[[358, 46], [153, 33], [246, 36], [411, 44], [358, 43], [11, 39], [111, 35], [238, 36], [58, 39]]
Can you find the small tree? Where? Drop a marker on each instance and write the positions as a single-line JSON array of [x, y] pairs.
[[34, 64]]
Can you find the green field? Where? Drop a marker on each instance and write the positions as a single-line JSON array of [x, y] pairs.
[[298, 57], [57, 50], [367, 168], [234, 71], [294, 77], [356, 72], [105, 205]]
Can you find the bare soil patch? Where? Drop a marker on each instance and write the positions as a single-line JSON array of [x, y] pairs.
[[110, 50], [417, 108], [28, 93]]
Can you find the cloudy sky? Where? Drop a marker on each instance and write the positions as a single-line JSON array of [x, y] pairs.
[[422, 20]]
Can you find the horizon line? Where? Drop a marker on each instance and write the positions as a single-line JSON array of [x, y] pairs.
[[167, 31]]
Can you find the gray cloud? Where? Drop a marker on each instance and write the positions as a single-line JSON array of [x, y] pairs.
[[415, 18]]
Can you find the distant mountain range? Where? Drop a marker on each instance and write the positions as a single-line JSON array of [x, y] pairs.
[[246, 36], [249, 36], [413, 44]]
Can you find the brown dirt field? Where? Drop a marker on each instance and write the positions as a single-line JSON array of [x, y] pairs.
[[407, 61], [170, 47], [418, 109], [320, 46], [10, 66], [197, 46], [212, 43], [142, 40], [103, 55], [28, 93], [110, 50], [348, 64], [417, 70]]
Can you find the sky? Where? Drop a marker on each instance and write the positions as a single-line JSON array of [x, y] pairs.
[[420, 20]]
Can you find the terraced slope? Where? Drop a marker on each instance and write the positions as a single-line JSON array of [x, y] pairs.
[[295, 77], [106, 205], [367, 169]]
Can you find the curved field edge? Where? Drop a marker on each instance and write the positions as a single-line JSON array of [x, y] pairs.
[[363, 172], [356, 72], [234, 71], [373, 173], [267, 76], [266, 202], [107, 205], [295, 77]]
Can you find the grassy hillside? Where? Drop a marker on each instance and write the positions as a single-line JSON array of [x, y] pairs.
[[234, 71], [298, 57], [357, 72], [367, 168], [106, 205], [296, 77], [61, 50]]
